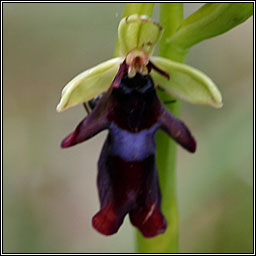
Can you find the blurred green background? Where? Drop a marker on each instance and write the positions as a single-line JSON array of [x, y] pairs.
[[50, 194]]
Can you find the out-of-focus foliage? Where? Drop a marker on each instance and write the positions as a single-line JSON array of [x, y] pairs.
[[210, 20], [49, 200]]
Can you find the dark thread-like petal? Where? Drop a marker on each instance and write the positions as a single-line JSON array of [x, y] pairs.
[[151, 65]]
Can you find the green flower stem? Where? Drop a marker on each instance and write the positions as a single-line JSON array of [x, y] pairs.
[[134, 8], [138, 8], [171, 17]]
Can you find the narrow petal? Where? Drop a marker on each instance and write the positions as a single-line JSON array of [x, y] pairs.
[[89, 84], [186, 83], [157, 69], [177, 130]]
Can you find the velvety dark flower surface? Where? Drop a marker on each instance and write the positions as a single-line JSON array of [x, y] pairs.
[[127, 175]]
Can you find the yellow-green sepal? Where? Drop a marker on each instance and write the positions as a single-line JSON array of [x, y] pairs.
[[89, 84], [186, 83], [138, 32]]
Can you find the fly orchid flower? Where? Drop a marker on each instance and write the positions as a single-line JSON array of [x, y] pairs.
[[132, 112]]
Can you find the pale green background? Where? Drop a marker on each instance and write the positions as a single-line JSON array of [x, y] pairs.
[[50, 194]]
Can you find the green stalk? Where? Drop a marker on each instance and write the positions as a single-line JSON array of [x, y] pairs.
[[171, 17]]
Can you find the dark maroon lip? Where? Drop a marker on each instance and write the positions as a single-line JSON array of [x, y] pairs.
[[127, 173]]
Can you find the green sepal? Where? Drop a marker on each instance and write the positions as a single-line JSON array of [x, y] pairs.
[[186, 83], [89, 84], [138, 32]]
